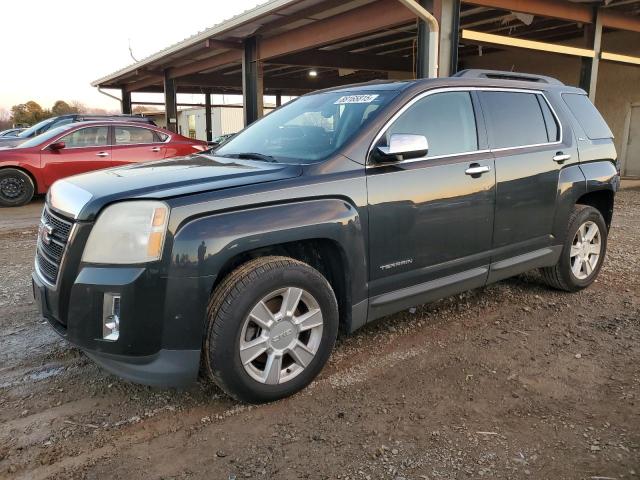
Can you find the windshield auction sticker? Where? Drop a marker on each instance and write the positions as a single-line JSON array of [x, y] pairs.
[[355, 99]]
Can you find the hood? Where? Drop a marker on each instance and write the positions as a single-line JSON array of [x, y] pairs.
[[82, 196]]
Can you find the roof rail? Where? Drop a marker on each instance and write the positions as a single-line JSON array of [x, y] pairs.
[[500, 75]]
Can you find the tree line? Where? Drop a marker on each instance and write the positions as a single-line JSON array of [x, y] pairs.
[[31, 112]]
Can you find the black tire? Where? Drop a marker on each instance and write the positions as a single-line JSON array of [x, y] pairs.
[[230, 305], [16, 187], [560, 276]]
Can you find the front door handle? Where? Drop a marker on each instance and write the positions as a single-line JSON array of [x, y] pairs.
[[102, 154], [475, 169], [561, 157], [155, 149]]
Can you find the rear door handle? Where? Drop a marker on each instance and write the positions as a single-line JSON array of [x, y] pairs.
[[102, 154], [561, 157], [155, 149], [475, 169]]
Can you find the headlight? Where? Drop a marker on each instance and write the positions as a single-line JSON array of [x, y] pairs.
[[128, 232]]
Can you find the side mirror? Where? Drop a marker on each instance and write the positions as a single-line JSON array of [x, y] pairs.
[[57, 146], [405, 145]]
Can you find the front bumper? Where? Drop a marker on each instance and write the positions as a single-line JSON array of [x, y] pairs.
[[146, 352], [167, 368]]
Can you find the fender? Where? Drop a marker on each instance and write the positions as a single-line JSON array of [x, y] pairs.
[[601, 175], [574, 182], [203, 246], [571, 186]]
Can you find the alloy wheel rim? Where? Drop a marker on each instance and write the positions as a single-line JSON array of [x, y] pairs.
[[281, 335], [585, 250], [11, 188]]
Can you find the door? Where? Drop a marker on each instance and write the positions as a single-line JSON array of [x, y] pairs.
[[632, 155], [525, 138], [431, 218], [85, 149], [134, 144]]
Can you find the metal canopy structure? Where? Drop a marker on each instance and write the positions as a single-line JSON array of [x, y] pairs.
[[271, 49]]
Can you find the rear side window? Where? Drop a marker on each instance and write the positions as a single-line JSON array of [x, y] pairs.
[[134, 135], [553, 130], [446, 119], [515, 119], [587, 115]]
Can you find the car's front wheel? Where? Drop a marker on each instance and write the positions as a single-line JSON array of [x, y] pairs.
[[16, 187], [583, 252], [272, 324]]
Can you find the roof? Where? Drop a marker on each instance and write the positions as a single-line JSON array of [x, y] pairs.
[[344, 42], [260, 11]]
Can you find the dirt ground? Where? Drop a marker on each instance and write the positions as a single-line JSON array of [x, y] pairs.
[[510, 381]]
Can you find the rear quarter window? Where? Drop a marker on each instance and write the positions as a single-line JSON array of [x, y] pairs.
[[587, 116]]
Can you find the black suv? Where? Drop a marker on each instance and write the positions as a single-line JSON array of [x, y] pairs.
[[53, 122], [339, 208]]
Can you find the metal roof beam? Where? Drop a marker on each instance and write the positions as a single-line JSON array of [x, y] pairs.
[[359, 21], [232, 56], [620, 21], [563, 10], [545, 8], [214, 80], [334, 59]]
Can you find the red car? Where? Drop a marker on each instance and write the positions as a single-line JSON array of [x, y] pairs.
[[74, 148]]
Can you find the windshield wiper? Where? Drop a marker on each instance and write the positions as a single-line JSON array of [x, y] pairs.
[[251, 156]]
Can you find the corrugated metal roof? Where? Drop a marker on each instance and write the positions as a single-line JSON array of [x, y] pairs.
[[220, 28]]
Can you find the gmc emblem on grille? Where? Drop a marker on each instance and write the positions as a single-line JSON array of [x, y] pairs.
[[44, 233]]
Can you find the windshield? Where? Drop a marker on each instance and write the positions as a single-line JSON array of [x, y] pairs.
[[38, 139], [34, 130], [308, 129]]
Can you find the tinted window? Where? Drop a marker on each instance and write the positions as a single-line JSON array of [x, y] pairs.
[[86, 137], [446, 119], [553, 131], [134, 135], [513, 119], [590, 119]]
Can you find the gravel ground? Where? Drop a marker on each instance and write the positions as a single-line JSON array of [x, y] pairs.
[[510, 381]]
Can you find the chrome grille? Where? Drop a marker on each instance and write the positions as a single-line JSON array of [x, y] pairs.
[[51, 246]]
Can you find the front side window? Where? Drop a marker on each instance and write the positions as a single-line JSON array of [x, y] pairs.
[[446, 119], [514, 119], [86, 137], [308, 129], [134, 135]]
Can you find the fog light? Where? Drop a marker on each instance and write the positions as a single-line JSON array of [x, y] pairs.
[[111, 317]]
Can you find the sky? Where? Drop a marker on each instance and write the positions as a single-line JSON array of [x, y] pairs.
[[54, 49]]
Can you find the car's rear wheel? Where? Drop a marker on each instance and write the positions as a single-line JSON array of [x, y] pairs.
[[16, 187], [272, 324], [583, 251]]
